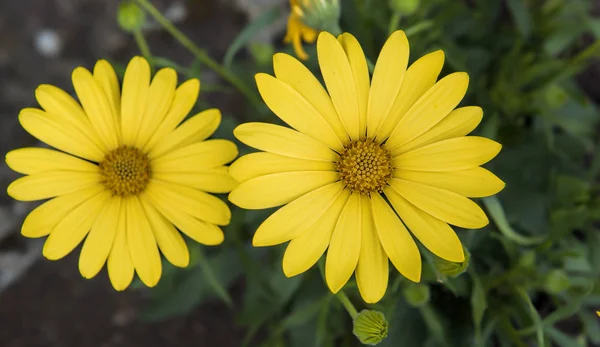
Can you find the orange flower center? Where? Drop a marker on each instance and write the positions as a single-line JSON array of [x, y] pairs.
[[365, 166], [125, 171]]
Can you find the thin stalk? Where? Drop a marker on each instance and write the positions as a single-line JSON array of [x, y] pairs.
[[347, 304], [143, 46]]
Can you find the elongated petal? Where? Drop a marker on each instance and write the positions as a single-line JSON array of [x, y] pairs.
[[472, 183], [199, 156], [142, 245], [71, 230], [161, 94], [459, 122], [442, 204], [296, 217], [133, 101], [120, 265], [191, 201], [291, 107], [184, 100], [50, 184], [279, 188], [306, 249], [197, 128], [344, 248], [44, 218], [459, 153], [388, 76], [372, 271], [395, 239], [32, 160], [283, 141], [263, 163], [419, 78], [360, 73], [430, 109], [215, 180], [97, 107], [99, 241], [296, 75], [337, 74], [169, 240], [59, 135], [436, 235], [106, 77]]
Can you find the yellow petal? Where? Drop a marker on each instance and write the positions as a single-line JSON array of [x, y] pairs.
[[59, 134], [283, 141], [120, 265], [44, 218], [64, 109], [215, 180], [442, 204], [430, 109], [197, 128], [99, 242], [373, 266], [388, 76], [199, 231], [344, 248], [454, 154], [263, 163], [97, 107], [50, 184], [160, 98], [70, 230], [459, 122], [295, 110], [184, 100], [395, 239], [419, 78], [306, 249], [339, 80], [169, 240], [196, 157], [106, 77], [34, 160], [360, 74], [133, 102], [472, 183], [296, 75], [434, 234], [142, 245], [279, 188], [296, 217], [191, 201]]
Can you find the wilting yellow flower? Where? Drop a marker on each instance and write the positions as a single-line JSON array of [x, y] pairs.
[[126, 172], [397, 136]]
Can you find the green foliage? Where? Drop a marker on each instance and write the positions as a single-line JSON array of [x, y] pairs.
[[533, 273]]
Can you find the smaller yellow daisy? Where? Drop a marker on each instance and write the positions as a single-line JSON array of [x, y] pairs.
[[297, 31], [125, 174]]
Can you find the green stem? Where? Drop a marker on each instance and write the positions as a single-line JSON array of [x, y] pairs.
[[347, 304], [143, 45], [199, 53], [394, 22]]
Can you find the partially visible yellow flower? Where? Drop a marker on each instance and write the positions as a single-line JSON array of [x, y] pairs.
[[126, 174], [367, 160], [307, 18]]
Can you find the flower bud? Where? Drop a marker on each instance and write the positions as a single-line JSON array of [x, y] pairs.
[[321, 15], [556, 281], [416, 294], [404, 7], [130, 16], [452, 269], [370, 327]]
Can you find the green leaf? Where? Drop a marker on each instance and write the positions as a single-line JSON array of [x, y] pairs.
[[478, 303], [212, 279], [497, 213], [562, 339], [521, 16], [537, 321], [249, 32]]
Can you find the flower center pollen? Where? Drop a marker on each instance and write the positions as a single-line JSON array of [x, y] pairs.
[[125, 171], [365, 166]]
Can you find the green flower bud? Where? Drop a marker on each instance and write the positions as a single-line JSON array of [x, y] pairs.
[[262, 52], [405, 7], [321, 15], [556, 281], [416, 294], [452, 269], [130, 16], [370, 327]]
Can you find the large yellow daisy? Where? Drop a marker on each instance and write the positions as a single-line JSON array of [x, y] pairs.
[[125, 174], [367, 160]]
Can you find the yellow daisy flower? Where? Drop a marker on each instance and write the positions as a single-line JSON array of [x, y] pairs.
[[367, 160], [125, 174], [297, 31]]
